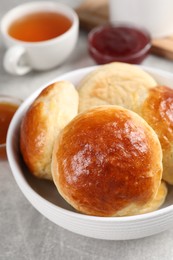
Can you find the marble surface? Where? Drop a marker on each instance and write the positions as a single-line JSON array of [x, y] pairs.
[[24, 232]]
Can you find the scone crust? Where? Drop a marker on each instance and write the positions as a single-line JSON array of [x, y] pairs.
[[116, 83]]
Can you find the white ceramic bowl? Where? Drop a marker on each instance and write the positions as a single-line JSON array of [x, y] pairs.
[[45, 198]]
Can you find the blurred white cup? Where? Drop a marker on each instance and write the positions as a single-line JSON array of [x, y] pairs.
[[156, 16]]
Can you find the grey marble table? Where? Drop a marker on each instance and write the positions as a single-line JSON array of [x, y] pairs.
[[24, 232]]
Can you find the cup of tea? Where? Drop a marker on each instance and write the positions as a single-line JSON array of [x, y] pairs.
[[8, 107], [38, 36]]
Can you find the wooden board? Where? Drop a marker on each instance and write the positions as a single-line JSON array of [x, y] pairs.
[[93, 13]]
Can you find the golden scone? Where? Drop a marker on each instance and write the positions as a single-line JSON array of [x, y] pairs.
[[49, 113], [158, 201], [115, 84], [107, 160], [157, 110]]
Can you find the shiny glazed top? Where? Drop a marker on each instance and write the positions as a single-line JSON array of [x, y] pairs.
[[105, 160]]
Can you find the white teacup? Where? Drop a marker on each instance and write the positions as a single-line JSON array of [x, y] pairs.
[[22, 57], [156, 16]]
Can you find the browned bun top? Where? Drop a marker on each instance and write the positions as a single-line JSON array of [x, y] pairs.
[[157, 110], [107, 160]]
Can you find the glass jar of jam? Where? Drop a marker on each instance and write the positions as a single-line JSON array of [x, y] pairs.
[[123, 43]]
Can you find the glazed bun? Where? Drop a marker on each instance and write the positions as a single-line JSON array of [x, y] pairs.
[[49, 113], [114, 84], [157, 110], [107, 162]]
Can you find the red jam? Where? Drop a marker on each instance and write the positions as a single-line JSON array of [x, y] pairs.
[[118, 43]]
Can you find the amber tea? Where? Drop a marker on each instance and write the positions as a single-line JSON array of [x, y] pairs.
[[40, 26]]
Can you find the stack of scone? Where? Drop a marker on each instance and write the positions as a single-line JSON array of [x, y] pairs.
[[108, 145]]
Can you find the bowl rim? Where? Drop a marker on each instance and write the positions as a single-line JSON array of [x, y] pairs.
[[20, 179]]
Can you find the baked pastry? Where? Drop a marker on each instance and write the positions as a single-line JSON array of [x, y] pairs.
[[56, 105], [115, 83], [157, 110], [158, 201], [107, 162]]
